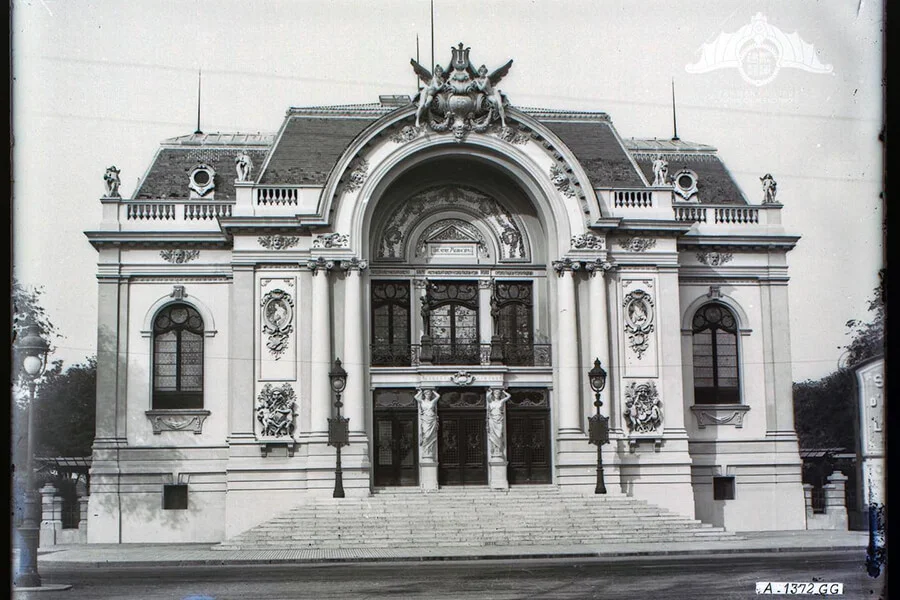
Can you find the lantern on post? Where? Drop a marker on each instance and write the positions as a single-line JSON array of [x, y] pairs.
[[33, 350], [338, 429], [598, 425]]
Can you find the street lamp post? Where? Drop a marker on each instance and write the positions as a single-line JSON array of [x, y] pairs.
[[338, 429], [598, 425], [33, 348]]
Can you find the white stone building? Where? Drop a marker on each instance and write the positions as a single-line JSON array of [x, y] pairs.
[[489, 250]]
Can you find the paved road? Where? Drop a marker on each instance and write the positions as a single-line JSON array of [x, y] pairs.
[[719, 577]]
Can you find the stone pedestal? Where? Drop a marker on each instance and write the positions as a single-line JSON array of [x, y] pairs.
[[497, 475], [428, 475], [51, 515]]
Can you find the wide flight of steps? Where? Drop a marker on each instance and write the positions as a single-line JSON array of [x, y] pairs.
[[465, 516]]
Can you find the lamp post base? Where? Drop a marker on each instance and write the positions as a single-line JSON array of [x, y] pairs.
[[338, 476], [26, 572]]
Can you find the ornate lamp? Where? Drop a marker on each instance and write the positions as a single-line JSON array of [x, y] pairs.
[[338, 429], [598, 425], [34, 349]]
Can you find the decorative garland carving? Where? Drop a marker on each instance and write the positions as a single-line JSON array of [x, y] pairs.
[[505, 225], [275, 410], [278, 320], [587, 241], [637, 244], [462, 378], [177, 420], [358, 175], [638, 311], [407, 134], [513, 135], [714, 259], [720, 415], [179, 256], [331, 240], [643, 409], [561, 180], [278, 242]]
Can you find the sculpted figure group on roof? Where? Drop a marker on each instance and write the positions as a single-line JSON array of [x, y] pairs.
[[462, 100]]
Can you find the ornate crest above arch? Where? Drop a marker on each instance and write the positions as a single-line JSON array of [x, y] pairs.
[[451, 236], [393, 239]]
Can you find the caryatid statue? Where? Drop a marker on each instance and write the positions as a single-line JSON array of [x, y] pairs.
[[243, 164], [770, 188], [497, 398], [428, 423], [111, 178]]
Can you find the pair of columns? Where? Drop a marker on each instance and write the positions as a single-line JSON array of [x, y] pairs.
[[571, 415], [322, 396]]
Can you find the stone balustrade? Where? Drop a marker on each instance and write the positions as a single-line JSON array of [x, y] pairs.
[[277, 196]]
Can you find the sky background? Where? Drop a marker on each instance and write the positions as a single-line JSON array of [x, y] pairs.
[[102, 83]]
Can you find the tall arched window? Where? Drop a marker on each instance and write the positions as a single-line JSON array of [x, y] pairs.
[[716, 372], [178, 358]]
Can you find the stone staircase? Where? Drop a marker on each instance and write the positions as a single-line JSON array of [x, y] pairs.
[[466, 516]]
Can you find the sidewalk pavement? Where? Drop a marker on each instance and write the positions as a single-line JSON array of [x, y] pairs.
[[182, 555]]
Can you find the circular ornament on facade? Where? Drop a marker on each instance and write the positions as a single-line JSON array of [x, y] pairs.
[[202, 179], [685, 182], [178, 315]]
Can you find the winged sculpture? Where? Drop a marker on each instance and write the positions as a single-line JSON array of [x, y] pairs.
[[462, 99]]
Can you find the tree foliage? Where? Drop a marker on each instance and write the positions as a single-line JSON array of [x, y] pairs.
[[826, 410], [65, 410]]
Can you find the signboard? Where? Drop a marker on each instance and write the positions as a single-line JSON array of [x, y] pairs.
[[870, 379]]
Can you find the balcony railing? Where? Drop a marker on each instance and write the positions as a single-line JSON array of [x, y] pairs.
[[721, 215], [444, 353], [277, 196]]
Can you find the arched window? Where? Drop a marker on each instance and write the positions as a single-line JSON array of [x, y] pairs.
[[716, 372], [178, 358]]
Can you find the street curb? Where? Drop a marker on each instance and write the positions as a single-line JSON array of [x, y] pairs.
[[442, 558]]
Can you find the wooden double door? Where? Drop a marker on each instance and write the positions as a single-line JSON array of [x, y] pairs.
[[462, 437]]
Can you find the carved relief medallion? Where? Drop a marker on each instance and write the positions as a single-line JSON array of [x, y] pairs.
[[638, 312], [278, 320], [561, 180], [331, 240], [358, 175], [275, 411], [278, 242], [714, 259], [637, 244], [586, 241], [179, 256], [643, 409]]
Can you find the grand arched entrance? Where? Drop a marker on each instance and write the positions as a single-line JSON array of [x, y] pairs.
[[459, 329]]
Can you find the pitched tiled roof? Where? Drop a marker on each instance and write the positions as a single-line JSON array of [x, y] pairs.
[[599, 151], [714, 183], [310, 145], [178, 156]]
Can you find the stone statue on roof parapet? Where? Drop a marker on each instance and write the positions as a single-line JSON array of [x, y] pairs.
[[111, 178], [770, 188], [244, 166], [660, 170]]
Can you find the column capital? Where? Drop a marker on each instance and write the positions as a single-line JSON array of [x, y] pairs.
[[354, 264], [598, 267], [486, 283], [565, 265], [320, 264]]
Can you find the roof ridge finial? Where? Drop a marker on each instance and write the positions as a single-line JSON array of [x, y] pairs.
[[674, 122], [199, 75]]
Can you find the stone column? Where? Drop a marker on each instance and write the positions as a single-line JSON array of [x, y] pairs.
[[240, 349], [83, 515], [320, 358], [568, 392], [599, 320], [354, 364], [836, 500], [51, 515], [427, 399], [807, 496], [485, 322], [496, 428]]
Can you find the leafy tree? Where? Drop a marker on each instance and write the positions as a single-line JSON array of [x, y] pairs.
[[826, 410], [65, 410]]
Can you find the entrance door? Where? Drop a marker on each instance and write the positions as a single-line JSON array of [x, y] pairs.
[[528, 436], [396, 440], [462, 439]]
